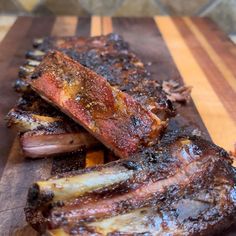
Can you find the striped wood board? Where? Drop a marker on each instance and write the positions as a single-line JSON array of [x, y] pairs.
[[191, 50]]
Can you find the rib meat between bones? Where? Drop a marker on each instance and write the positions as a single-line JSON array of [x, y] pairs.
[[185, 186], [112, 116]]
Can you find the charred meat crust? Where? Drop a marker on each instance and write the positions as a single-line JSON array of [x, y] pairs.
[[112, 116], [185, 184], [111, 41], [26, 121]]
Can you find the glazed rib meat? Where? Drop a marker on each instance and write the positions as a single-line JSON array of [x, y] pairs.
[[107, 55], [112, 116], [183, 186]]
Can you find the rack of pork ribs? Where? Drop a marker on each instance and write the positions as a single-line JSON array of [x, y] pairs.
[[165, 183], [44, 131]]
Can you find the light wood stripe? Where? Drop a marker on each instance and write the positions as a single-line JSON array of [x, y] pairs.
[[94, 158], [64, 26], [5, 24], [226, 72], [216, 79], [96, 26], [106, 25], [215, 117]]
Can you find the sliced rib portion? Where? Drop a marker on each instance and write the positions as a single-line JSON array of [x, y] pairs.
[[185, 186], [46, 132], [40, 143], [33, 113], [112, 116], [26, 120]]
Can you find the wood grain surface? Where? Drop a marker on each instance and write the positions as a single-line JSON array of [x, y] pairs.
[[192, 51]]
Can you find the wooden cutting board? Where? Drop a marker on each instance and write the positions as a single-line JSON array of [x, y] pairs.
[[191, 50]]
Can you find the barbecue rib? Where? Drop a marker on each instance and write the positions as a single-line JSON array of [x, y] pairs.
[[112, 116], [108, 56], [184, 186], [31, 113], [46, 132]]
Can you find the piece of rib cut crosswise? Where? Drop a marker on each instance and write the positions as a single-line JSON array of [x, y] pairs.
[[185, 186], [44, 131], [112, 116]]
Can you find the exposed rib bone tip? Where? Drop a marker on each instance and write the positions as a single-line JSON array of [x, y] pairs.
[[37, 42], [25, 70], [35, 54], [33, 63]]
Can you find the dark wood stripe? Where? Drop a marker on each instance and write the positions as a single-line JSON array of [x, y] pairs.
[[216, 79], [13, 48], [42, 27], [83, 26], [8, 49], [68, 162], [12, 40], [152, 48], [18, 173], [221, 43]]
